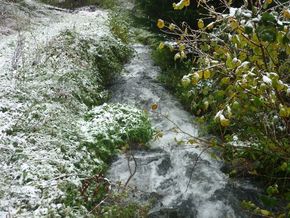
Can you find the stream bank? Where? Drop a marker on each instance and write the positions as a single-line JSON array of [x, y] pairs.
[[54, 74]]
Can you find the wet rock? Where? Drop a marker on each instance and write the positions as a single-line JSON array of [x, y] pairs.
[[164, 166], [185, 209], [237, 192], [192, 156], [167, 183]]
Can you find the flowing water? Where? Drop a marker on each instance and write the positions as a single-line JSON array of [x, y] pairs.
[[183, 182], [164, 172]]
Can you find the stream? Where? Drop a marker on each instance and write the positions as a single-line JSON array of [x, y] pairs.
[[183, 180], [167, 172]]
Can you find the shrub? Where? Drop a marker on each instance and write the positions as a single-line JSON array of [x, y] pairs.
[[163, 9], [239, 82]]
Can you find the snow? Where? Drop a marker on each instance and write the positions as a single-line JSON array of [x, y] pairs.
[[111, 122], [267, 80], [39, 117]]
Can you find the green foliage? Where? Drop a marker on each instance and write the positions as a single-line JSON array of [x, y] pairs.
[[163, 9], [239, 83], [121, 211], [95, 63], [145, 37], [172, 72], [131, 28], [108, 4], [113, 56], [119, 26], [109, 127]]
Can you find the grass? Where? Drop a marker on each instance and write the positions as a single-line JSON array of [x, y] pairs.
[[72, 4]]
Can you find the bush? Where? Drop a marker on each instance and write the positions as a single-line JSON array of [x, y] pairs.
[[239, 83], [163, 9]]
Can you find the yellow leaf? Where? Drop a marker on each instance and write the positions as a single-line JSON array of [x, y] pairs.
[[233, 23], [206, 74], [269, 1], [225, 80], [161, 45], [265, 212], [182, 54], [210, 26], [181, 47], [243, 56], [178, 6], [283, 112], [160, 23], [280, 85], [192, 141], [185, 81], [154, 106], [195, 78], [286, 13], [224, 121], [284, 166], [186, 3], [206, 105], [200, 24], [200, 73]]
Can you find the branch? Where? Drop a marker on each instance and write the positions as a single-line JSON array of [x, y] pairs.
[[135, 169]]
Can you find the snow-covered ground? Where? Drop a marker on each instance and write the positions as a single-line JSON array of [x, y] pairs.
[[43, 69]]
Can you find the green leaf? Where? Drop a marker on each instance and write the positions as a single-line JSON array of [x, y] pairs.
[[265, 212], [287, 196], [267, 33], [269, 201], [268, 18], [248, 29]]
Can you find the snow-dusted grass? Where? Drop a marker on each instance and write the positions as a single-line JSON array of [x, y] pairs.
[[50, 79], [14, 16], [109, 125]]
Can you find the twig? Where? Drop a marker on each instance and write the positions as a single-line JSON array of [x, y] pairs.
[[135, 169], [207, 143], [99, 204], [195, 163], [204, 141]]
